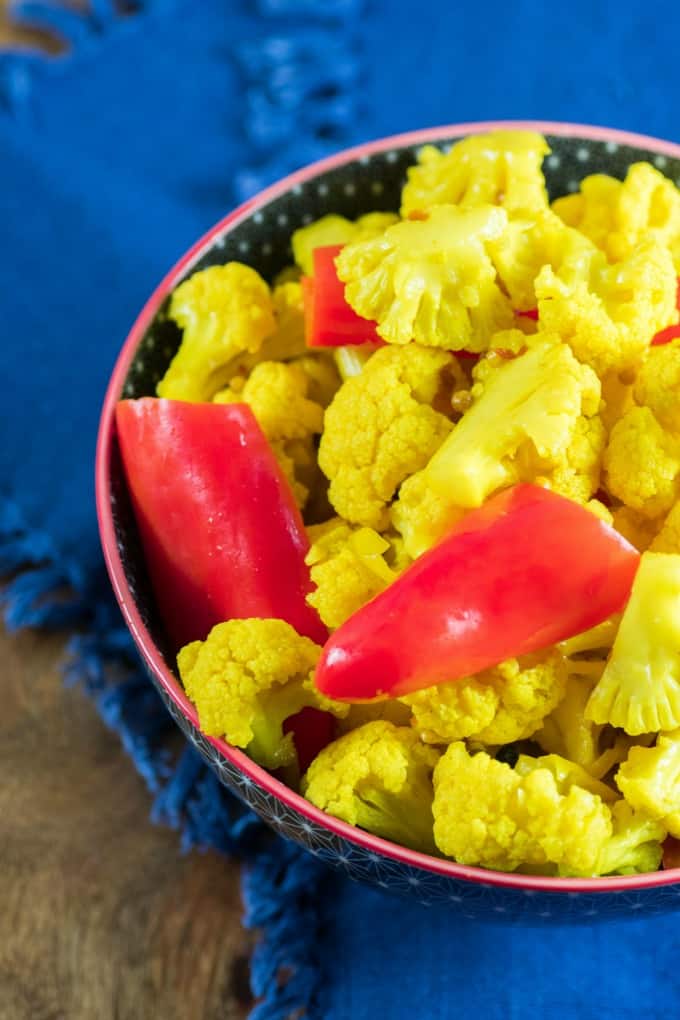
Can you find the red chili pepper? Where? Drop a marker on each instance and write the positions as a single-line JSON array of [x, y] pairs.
[[531, 313], [329, 320], [528, 569], [221, 533]]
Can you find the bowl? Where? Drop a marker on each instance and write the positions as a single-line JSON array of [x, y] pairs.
[[350, 183]]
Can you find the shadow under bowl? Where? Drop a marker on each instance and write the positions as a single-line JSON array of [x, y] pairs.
[[356, 181]]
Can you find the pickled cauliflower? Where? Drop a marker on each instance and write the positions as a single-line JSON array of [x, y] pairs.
[[429, 361], [498, 706], [499, 168], [618, 215], [223, 311], [379, 777], [430, 280], [487, 813], [532, 417], [348, 566], [246, 679], [649, 779], [639, 690], [380, 428]]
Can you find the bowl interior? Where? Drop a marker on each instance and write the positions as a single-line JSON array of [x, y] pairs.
[[370, 181]]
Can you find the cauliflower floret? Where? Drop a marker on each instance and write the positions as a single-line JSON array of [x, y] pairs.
[[609, 320], [658, 383], [526, 421], [618, 215], [277, 393], [333, 229], [639, 690], [497, 706], [633, 848], [668, 538], [639, 530], [430, 280], [486, 813], [578, 475], [246, 679], [498, 168], [649, 779], [530, 243], [223, 311], [348, 567], [566, 774], [642, 464], [378, 777], [617, 397], [380, 428]]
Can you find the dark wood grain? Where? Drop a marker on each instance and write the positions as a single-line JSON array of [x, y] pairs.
[[101, 917]]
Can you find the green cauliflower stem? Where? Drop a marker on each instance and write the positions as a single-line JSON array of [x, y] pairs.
[[378, 777]]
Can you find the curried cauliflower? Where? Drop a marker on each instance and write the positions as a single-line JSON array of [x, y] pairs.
[[618, 215], [639, 690], [530, 243], [658, 383], [430, 280], [640, 531], [642, 464], [246, 679], [378, 777], [634, 846], [277, 393], [392, 710], [332, 230], [609, 320], [348, 567], [380, 428], [498, 168], [649, 780], [498, 706], [223, 311], [486, 813], [668, 538], [529, 420]]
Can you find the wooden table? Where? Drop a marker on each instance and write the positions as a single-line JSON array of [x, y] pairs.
[[101, 918]]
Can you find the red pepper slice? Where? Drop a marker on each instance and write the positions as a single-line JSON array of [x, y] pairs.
[[671, 853], [526, 570], [221, 533], [329, 320]]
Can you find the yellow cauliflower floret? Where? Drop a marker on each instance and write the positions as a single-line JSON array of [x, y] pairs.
[[642, 463], [333, 229], [639, 690], [617, 397], [498, 168], [668, 538], [633, 847], [497, 706], [323, 378], [530, 243], [277, 393], [638, 529], [658, 384], [649, 779], [246, 679], [566, 774], [430, 280], [392, 710], [618, 215], [378, 777], [223, 311], [380, 428], [609, 320], [526, 421], [578, 475], [488, 814], [348, 567]]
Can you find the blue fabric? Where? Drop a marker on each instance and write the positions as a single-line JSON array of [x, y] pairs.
[[113, 159]]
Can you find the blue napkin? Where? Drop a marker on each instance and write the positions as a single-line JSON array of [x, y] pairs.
[[113, 158]]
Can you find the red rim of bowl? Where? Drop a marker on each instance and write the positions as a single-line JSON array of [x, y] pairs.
[[143, 639]]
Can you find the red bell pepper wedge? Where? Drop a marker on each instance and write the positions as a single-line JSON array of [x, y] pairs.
[[671, 853], [528, 569], [221, 534], [329, 320]]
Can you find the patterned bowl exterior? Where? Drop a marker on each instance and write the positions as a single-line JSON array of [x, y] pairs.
[[258, 233]]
